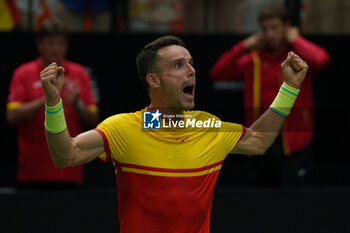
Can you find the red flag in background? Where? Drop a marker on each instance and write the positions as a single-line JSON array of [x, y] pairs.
[[44, 14]]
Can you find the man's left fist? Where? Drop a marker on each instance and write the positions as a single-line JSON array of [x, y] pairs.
[[294, 70]]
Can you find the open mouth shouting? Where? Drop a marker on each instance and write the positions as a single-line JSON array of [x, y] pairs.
[[188, 91]]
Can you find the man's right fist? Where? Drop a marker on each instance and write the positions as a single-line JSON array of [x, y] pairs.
[[254, 42], [52, 79]]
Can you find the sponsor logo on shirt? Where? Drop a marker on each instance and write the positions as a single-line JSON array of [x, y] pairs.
[[151, 120], [157, 120], [37, 84]]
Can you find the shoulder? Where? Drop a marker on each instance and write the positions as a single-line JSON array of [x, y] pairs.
[[118, 118], [225, 126], [123, 119]]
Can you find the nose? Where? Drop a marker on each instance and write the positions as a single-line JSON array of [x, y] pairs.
[[191, 70]]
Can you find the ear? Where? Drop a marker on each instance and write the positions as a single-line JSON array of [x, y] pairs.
[[153, 80]]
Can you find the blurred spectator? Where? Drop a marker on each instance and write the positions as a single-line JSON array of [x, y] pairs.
[[33, 13], [257, 61], [87, 15], [156, 15], [25, 109], [337, 21]]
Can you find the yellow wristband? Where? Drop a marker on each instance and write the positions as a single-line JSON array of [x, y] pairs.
[[54, 118], [284, 100]]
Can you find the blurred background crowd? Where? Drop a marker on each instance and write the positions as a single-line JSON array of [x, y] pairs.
[[191, 16], [97, 41], [230, 40], [101, 34]]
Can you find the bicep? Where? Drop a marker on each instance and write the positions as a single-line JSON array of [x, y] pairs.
[[249, 144], [87, 146]]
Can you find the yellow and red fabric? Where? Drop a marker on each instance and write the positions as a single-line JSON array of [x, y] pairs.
[[9, 15], [165, 178]]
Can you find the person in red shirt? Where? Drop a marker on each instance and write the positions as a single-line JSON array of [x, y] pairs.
[[257, 60], [26, 108]]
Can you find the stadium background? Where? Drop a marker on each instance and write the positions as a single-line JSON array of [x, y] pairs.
[[238, 205]]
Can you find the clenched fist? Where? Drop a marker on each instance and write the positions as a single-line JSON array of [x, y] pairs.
[[52, 79], [294, 70]]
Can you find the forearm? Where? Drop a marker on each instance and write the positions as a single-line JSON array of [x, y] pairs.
[[61, 148], [25, 111], [266, 129], [260, 136], [58, 139], [66, 151], [268, 126]]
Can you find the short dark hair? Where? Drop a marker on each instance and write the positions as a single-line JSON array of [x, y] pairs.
[[51, 27], [146, 59], [274, 10]]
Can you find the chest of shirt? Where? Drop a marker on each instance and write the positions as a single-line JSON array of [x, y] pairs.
[[181, 152], [33, 87]]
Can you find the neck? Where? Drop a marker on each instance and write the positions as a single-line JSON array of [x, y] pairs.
[[168, 113]]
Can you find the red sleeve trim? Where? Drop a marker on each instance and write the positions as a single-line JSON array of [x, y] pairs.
[[106, 145], [244, 130]]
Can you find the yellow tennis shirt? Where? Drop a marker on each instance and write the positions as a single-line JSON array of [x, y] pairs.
[[166, 177]]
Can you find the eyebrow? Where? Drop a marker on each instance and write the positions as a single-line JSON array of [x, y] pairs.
[[183, 59]]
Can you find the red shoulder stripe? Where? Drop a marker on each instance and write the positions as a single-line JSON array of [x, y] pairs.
[[106, 145], [244, 130]]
